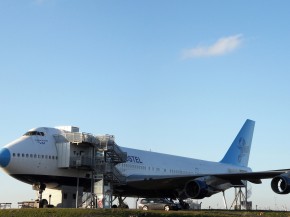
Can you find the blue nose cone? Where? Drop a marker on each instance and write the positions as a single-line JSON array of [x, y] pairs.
[[5, 157]]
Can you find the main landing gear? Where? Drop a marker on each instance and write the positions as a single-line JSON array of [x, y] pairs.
[[121, 202], [183, 204]]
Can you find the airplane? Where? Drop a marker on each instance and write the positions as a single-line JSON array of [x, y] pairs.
[[34, 159]]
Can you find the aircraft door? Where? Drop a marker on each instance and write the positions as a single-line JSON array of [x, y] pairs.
[[41, 142]]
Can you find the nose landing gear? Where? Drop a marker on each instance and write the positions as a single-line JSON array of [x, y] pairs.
[[40, 187]]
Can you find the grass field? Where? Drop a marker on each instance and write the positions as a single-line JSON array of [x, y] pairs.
[[131, 213]]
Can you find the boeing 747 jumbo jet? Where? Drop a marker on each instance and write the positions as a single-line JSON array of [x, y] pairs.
[[51, 158]]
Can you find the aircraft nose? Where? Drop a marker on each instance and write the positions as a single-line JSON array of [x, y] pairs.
[[5, 157]]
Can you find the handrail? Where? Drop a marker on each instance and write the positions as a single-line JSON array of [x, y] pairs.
[[105, 164], [76, 138]]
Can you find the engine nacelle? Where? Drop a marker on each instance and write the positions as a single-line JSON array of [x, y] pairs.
[[281, 184], [196, 189]]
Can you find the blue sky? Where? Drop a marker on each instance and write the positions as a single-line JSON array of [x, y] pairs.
[[179, 77]]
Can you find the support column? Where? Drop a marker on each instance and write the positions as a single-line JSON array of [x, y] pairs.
[[104, 194]]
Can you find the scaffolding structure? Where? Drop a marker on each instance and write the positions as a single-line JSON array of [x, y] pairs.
[[241, 199], [97, 156]]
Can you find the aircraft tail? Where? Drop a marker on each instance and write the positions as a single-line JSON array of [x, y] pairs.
[[239, 152]]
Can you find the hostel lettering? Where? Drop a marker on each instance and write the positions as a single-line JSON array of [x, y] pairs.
[[134, 159]]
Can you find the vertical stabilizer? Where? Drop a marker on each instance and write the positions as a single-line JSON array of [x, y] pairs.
[[239, 152]]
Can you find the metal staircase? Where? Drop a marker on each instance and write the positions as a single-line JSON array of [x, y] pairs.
[[112, 155], [110, 173], [96, 154], [88, 200], [107, 154]]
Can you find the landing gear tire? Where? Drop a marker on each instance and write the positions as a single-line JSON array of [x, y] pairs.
[[145, 208], [43, 203], [166, 208]]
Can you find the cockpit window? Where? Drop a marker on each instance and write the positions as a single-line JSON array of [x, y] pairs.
[[34, 133]]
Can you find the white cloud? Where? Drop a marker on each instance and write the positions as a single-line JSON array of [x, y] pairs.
[[220, 47]]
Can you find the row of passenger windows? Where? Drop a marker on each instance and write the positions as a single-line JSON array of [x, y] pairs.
[[138, 167], [123, 165], [34, 156]]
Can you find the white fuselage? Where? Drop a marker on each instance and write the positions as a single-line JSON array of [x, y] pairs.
[[151, 163], [33, 158]]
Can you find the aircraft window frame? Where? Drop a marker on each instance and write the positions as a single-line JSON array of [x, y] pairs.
[[34, 133]]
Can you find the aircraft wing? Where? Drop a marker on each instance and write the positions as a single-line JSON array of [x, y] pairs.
[[165, 182], [254, 177]]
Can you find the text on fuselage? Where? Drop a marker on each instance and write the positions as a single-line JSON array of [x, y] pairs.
[[134, 159]]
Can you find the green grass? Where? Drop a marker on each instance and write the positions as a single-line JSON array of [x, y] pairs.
[[56, 212]]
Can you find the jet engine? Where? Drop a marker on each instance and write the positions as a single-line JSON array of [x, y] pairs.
[[196, 189], [281, 184]]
